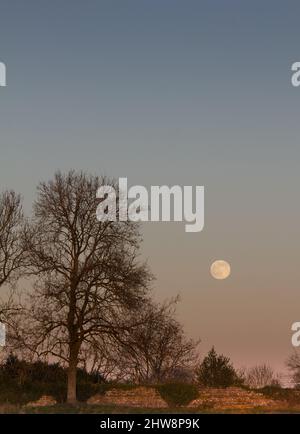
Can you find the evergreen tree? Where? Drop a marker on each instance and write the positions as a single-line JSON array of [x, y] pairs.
[[216, 371]]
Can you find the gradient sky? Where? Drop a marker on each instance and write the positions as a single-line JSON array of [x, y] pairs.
[[173, 92]]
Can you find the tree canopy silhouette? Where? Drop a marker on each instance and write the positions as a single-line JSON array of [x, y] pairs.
[[87, 273]]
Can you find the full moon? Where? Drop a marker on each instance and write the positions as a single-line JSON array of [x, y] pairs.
[[220, 269]]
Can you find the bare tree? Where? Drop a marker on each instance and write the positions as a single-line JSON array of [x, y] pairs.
[[158, 350], [261, 376], [293, 364], [12, 246], [106, 358], [87, 273]]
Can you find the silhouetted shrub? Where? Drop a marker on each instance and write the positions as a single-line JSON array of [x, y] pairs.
[[21, 382], [178, 393], [292, 396]]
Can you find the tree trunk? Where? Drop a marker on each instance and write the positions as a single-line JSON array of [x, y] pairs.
[[72, 381]]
